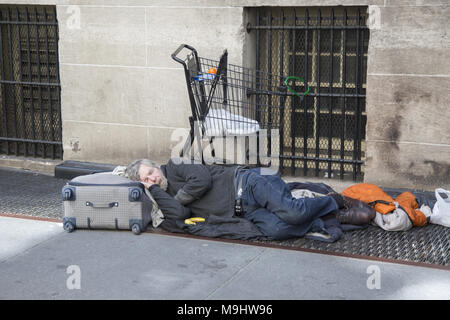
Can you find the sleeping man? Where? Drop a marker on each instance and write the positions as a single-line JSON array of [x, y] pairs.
[[185, 190]]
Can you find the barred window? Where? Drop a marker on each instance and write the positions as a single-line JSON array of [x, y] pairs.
[[30, 107], [323, 134]]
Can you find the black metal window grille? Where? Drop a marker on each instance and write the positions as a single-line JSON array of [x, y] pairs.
[[30, 104], [323, 134]]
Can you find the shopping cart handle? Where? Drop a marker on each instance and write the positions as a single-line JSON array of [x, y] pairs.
[[181, 47]]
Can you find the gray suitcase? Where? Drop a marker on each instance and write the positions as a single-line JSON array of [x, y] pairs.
[[105, 201]]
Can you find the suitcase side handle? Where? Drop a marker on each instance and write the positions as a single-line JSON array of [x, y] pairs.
[[68, 193], [102, 205], [135, 194]]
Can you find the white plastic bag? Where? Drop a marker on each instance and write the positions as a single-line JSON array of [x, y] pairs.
[[441, 209], [397, 220]]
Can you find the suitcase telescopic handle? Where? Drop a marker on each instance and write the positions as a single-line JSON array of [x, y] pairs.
[[181, 47]]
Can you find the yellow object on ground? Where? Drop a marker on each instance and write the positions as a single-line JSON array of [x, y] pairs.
[[194, 220]]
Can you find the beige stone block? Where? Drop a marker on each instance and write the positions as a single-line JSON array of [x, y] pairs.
[[46, 166], [408, 108], [165, 143], [153, 3], [104, 143], [135, 96], [408, 165], [159, 55], [306, 3], [427, 61], [119, 144], [208, 30], [35, 2], [102, 35], [398, 3], [412, 27], [415, 17]]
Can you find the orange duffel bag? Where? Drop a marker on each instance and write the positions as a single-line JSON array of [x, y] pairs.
[[384, 203]]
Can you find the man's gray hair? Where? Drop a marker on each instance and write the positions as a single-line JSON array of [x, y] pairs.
[[133, 168]]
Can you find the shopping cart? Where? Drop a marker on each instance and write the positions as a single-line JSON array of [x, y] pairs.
[[229, 104]]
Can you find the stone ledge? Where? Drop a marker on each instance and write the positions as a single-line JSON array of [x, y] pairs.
[[46, 166]]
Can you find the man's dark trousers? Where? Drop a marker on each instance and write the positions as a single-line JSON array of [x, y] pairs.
[[268, 203]]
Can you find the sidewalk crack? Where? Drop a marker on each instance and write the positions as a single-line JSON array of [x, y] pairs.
[[236, 274]]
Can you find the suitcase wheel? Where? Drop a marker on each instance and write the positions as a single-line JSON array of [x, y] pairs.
[[68, 226], [136, 229]]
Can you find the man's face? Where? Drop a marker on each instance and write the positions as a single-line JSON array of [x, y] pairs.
[[151, 175]]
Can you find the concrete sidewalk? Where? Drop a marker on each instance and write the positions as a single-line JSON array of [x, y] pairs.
[[39, 260]]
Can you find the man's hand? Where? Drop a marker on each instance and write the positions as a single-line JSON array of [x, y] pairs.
[[147, 184]]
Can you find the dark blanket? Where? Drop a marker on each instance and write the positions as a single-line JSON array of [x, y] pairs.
[[217, 227]]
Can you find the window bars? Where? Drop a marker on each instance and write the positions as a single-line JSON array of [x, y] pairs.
[[30, 105], [323, 134]]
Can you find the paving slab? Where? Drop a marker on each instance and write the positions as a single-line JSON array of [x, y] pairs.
[[47, 263], [283, 274], [18, 235]]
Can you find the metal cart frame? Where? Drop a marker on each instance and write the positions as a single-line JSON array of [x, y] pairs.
[[232, 102]]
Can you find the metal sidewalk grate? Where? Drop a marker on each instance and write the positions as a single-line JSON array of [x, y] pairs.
[[34, 194], [30, 193], [429, 244]]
